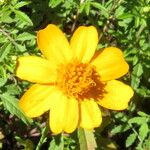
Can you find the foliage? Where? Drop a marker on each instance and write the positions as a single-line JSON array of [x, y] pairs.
[[121, 23]]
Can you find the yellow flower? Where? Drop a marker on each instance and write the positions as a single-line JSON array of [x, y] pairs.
[[71, 80]]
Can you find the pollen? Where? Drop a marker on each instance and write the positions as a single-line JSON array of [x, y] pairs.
[[79, 80]]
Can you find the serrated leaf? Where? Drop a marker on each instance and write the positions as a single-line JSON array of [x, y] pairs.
[[104, 11], [130, 139], [119, 129], [25, 36], [86, 139], [138, 69], [119, 11], [21, 48], [12, 89], [11, 104], [143, 131], [138, 120], [22, 16], [4, 51]]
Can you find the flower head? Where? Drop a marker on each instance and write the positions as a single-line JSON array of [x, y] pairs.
[[72, 80]]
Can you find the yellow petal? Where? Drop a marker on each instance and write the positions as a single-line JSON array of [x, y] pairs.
[[110, 63], [35, 69], [90, 115], [64, 115], [117, 95], [84, 42], [38, 99], [53, 44]]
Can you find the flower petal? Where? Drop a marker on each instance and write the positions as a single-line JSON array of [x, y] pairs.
[[110, 63], [53, 44], [64, 115], [38, 99], [35, 69], [90, 115], [117, 95], [84, 42]]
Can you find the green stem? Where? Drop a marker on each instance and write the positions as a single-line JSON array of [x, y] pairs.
[[43, 138], [139, 138]]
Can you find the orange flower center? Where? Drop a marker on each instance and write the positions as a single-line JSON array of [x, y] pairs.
[[79, 80]]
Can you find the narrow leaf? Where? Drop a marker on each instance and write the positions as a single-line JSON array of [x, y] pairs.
[[119, 129], [22, 16], [25, 36], [21, 4], [138, 120], [11, 104], [4, 51], [131, 139]]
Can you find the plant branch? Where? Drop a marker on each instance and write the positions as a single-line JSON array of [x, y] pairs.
[[106, 26], [139, 138], [8, 37]]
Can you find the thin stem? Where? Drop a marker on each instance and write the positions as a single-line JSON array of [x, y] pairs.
[[139, 32], [75, 21], [76, 17], [139, 138], [106, 26], [43, 138], [8, 37]]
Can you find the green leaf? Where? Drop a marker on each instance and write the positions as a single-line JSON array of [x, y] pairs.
[[25, 36], [43, 138], [136, 74], [131, 139], [21, 48], [143, 131], [120, 129], [86, 139], [11, 104], [22, 16], [12, 89], [87, 8], [3, 76], [103, 10], [54, 3], [21, 4], [138, 120], [57, 143], [137, 21], [119, 11], [4, 51], [139, 146], [138, 70], [125, 16], [142, 114]]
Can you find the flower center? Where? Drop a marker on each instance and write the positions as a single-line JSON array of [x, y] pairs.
[[79, 80]]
